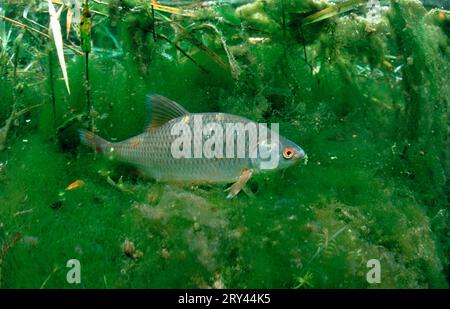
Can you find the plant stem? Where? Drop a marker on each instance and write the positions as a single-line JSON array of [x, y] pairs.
[[88, 91], [85, 28], [19, 24], [52, 85], [153, 23], [283, 19], [304, 50]]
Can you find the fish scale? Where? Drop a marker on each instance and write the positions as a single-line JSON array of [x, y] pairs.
[[151, 151]]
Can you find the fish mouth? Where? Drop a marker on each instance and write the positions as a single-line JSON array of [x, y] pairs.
[[299, 155]]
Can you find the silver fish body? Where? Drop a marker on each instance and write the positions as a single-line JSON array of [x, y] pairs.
[[152, 152]]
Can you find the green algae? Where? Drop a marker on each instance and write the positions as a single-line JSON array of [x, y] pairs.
[[368, 104]]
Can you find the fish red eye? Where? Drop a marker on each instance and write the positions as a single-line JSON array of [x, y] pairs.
[[288, 152]]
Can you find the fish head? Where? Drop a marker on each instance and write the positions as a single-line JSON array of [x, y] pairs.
[[277, 153], [289, 153]]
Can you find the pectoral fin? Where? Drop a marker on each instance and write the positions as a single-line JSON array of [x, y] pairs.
[[239, 184]]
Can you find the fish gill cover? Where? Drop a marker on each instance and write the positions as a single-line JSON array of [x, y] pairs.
[[362, 86]]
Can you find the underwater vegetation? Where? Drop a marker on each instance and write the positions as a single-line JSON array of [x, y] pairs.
[[362, 86]]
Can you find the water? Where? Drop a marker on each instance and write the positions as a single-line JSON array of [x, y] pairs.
[[365, 93]]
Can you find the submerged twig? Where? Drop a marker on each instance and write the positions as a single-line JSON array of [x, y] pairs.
[[332, 11], [22, 212], [25, 16], [322, 247], [184, 33], [234, 66], [14, 114], [170, 9], [5, 129], [19, 24], [48, 277], [183, 52]]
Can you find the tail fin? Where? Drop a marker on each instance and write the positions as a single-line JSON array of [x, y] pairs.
[[94, 141]]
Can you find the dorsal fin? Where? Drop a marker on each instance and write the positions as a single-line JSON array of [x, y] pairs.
[[160, 110]]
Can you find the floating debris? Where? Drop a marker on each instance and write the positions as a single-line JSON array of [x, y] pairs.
[[76, 184], [129, 250], [19, 213], [165, 254], [120, 185], [257, 40]]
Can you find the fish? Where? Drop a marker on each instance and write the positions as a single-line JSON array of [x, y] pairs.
[[199, 148]]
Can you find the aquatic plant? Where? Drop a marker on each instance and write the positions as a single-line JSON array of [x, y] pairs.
[[85, 36], [55, 33]]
